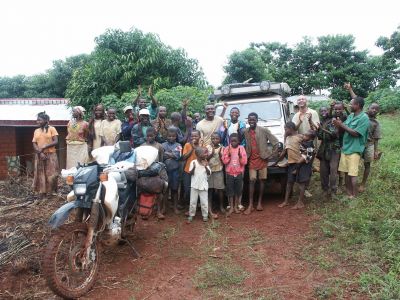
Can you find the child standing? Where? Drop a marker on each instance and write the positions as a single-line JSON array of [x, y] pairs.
[[188, 155], [199, 171], [172, 155], [234, 158], [300, 167], [110, 129], [216, 179]]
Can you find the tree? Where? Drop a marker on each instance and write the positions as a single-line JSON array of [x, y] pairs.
[[122, 60], [311, 67], [244, 65]]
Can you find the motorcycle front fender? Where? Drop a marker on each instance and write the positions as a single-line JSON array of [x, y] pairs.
[[61, 214]]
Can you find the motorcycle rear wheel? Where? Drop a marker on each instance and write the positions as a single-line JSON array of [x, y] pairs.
[[62, 265]]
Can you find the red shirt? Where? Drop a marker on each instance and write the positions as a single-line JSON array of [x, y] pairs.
[[255, 161]]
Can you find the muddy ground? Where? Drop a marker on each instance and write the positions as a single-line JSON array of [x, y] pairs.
[[260, 256]]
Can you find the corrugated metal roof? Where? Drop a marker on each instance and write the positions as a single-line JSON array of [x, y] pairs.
[[24, 112], [33, 101]]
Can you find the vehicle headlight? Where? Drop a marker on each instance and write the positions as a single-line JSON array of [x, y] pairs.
[[80, 189], [265, 85], [225, 90]]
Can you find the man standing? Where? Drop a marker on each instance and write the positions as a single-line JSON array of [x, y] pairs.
[[209, 125], [371, 152], [374, 135], [328, 153], [258, 152], [354, 139], [161, 124], [140, 103], [303, 120], [127, 125], [139, 130], [304, 116]]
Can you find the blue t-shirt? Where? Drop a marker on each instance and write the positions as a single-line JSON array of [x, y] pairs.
[[176, 150]]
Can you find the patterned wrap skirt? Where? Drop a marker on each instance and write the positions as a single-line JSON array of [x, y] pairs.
[[46, 174]]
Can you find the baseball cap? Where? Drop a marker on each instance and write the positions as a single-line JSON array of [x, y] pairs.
[[127, 108], [144, 111]]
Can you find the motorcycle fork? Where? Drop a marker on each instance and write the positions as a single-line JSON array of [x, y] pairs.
[[92, 225]]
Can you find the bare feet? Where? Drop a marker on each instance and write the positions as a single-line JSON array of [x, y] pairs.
[[229, 212], [361, 189], [222, 209], [259, 207], [298, 205], [176, 211], [241, 207], [248, 210], [212, 215], [283, 204], [160, 216], [237, 211]]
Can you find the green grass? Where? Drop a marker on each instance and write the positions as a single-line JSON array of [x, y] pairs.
[[365, 233], [219, 273]]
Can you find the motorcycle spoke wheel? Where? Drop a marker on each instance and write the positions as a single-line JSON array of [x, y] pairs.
[[67, 271]]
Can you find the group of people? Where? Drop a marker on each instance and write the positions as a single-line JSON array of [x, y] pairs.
[[208, 157]]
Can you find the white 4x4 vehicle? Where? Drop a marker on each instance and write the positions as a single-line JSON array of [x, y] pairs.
[[268, 100]]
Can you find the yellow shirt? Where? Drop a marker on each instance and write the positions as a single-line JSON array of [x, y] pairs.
[[42, 138]]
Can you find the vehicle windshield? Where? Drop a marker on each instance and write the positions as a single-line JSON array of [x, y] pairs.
[[266, 110]]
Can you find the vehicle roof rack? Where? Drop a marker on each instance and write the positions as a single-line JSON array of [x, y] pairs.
[[261, 88]]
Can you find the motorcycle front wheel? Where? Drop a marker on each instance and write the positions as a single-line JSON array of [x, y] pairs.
[[67, 274]]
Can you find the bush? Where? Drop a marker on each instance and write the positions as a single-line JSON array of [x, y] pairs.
[[388, 99]]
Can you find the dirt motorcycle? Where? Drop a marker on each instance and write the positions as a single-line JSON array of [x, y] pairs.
[[105, 205]]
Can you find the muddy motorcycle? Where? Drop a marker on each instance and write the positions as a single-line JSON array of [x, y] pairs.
[[105, 209]]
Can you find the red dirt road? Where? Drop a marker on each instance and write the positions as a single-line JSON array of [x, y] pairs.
[[266, 248], [267, 245]]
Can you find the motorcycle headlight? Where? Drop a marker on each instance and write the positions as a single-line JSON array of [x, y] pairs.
[[80, 189]]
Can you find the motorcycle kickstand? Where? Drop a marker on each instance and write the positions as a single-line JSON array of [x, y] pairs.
[[135, 252]]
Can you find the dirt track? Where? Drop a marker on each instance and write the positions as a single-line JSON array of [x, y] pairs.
[[264, 250]]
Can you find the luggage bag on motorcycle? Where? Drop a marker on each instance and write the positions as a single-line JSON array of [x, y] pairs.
[[146, 204]]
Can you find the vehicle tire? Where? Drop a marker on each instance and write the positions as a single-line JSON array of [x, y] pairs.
[[71, 281]]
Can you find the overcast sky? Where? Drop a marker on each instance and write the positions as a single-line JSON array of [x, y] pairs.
[[34, 33]]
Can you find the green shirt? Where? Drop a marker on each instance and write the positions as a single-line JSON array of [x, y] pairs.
[[356, 144]]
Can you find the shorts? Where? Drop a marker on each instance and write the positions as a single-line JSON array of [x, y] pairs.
[[300, 173], [216, 180], [349, 163], [262, 174], [234, 185], [369, 153], [173, 179]]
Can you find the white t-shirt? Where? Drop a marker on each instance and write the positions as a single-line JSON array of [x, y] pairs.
[[305, 125], [199, 178]]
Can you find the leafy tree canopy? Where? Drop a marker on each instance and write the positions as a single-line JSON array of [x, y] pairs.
[[321, 65], [122, 60]]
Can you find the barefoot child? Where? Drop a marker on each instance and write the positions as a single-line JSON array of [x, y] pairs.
[[188, 155], [234, 158], [216, 179], [172, 155], [298, 169], [199, 171]]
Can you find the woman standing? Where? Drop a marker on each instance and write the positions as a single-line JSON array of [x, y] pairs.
[[45, 139], [94, 138], [78, 131]]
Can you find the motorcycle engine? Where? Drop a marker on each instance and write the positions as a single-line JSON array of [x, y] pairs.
[[112, 234]]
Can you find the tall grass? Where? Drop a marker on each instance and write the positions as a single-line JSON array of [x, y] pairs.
[[365, 233]]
